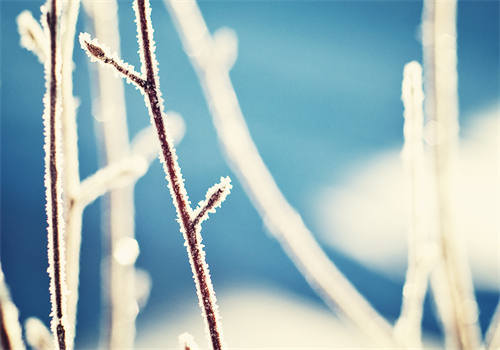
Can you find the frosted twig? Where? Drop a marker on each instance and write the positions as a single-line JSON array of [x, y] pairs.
[[154, 102], [408, 327], [187, 342], [212, 58], [37, 335], [97, 52], [493, 332], [32, 36], [214, 197], [10, 329], [53, 178], [440, 61]]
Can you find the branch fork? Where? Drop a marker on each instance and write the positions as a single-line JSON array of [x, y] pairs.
[[189, 220]]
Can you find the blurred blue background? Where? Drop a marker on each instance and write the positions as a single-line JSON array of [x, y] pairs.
[[319, 83]]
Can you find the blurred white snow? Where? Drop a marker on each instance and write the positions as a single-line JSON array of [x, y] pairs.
[[366, 215], [255, 318]]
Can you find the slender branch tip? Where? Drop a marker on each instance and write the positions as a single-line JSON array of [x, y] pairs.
[[213, 199], [99, 53]]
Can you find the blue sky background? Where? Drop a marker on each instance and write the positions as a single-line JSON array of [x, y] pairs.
[[319, 83]]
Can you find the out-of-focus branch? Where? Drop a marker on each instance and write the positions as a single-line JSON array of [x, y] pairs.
[[408, 327], [187, 342], [10, 330], [212, 58], [130, 168], [37, 335], [118, 175], [439, 39]]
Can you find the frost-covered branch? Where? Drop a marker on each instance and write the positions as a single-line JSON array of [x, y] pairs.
[[214, 197], [32, 36], [154, 102], [10, 329], [440, 64], [37, 40], [212, 58], [408, 327], [37, 335], [97, 52], [54, 177], [187, 342]]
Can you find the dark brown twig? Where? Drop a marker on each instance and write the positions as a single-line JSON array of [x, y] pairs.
[[214, 197], [98, 52], [148, 84], [53, 180]]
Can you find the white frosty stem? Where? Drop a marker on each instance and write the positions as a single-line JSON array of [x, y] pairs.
[[119, 225], [123, 172], [187, 342], [440, 63], [10, 330], [32, 36], [37, 335], [54, 177], [212, 58], [149, 85], [37, 40], [408, 327], [493, 332]]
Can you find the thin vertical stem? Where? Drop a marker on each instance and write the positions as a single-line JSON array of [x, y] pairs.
[[408, 327], [118, 223], [440, 61], [193, 238], [53, 178]]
